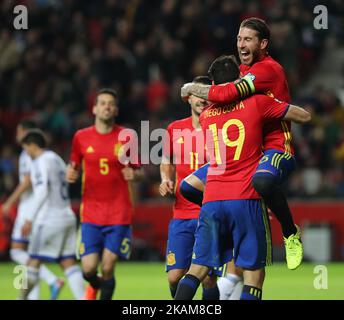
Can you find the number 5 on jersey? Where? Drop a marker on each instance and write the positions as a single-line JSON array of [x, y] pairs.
[[104, 167]]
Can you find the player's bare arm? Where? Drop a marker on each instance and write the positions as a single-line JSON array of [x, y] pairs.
[[72, 173], [297, 114], [167, 173], [131, 174], [14, 197]]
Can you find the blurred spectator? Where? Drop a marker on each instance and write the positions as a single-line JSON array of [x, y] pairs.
[[146, 50]]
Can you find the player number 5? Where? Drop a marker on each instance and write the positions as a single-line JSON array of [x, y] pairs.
[[104, 166], [125, 246]]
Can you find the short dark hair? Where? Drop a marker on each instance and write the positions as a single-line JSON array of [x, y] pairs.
[[258, 25], [224, 69], [35, 136], [27, 124], [202, 80], [109, 91]]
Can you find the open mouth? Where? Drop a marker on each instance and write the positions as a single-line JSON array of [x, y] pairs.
[[245, 54]]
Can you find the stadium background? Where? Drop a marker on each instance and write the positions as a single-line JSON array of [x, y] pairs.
[[146, 50]]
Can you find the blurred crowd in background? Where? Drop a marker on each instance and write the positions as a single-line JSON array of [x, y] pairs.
[[146, 50]]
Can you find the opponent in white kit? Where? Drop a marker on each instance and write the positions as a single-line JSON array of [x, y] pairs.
[[23, 193], [50, 220]]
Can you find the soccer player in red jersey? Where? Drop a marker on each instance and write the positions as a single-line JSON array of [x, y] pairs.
[[106, 208], [183, 153], [233, 222], [260, 73]]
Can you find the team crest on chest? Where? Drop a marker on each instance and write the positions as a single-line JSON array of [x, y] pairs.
[[89, 149], [118, 150]]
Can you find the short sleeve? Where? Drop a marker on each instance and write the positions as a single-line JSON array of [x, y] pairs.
[[271, 108]]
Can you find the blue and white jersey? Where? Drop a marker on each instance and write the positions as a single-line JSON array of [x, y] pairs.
[[51, 202]]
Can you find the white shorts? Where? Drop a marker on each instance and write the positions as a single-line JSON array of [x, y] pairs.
[[22, 211], [53, 243]]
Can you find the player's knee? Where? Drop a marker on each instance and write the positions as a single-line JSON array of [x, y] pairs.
[[19, 256], [209, 282], [264, 184], [108, 270], [89, 273], [174, 276]]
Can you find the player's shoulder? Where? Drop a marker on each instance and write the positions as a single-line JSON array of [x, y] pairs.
[[50, 156], [23, 156], [270, 63], [259, 99], [84, 131], [181, 123]]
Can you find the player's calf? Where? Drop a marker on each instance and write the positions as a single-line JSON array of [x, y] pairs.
[[32, 280], [268, 186], [173, 277], [253, 284], [210, 288], [188, 286]]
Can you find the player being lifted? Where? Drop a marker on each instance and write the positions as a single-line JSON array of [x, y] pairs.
[[23, 193], [233, 222], [183, 153], [106, 208], [260, 73], [50, 218]]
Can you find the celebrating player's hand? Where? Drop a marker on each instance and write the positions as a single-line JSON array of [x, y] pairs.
[[128, 173], [185, 91], [26, 228], [197, 89], [72, 173], [166, 187]]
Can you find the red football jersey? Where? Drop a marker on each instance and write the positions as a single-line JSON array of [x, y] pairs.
[[184, 146], [269, 78], [105, 193], [234, 140]]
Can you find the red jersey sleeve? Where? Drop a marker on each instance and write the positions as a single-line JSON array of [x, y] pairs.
[[167, 149], [223, 93], [270, 108], [261, 78], [75, 155]]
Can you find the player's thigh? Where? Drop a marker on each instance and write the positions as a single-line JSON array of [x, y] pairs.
[[68, 250], [254, 278], [92, 240], [213, 245], [233, 269], [117, 240], [45, 242], [108, 263], [251, 234], [180, 243], [90, 262], [278, 164], [18, 240], [174, 275], [209, 281]]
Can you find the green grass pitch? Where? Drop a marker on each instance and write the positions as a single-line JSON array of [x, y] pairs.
[[148, 281]]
